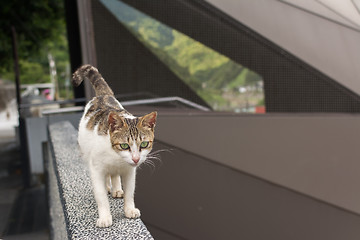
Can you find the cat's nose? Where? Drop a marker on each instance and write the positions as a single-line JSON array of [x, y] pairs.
[[136, 159]]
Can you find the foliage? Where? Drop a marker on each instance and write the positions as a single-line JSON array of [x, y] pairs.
[[40, 28], [32, 72], [214, 77], [36, 23]]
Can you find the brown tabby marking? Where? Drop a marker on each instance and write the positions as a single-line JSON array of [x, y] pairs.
[[132, 130], [99, 111], [105, 111], [97, 81]]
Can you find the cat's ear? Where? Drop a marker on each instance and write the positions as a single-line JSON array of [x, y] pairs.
[[115, 121], [149, 120]]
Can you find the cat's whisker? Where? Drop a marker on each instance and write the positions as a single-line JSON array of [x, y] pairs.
[[156, 155], [152, 165], [161, 150], [153, 159], [150, 161]]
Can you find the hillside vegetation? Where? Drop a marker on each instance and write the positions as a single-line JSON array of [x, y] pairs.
[[221, 82]]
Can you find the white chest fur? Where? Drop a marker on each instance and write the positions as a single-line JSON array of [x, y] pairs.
[[105, 164]]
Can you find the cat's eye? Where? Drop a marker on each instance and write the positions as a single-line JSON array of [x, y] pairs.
[[144, 144], [124, 146]]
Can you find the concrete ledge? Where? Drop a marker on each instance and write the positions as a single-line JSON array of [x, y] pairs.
[[76, 196]]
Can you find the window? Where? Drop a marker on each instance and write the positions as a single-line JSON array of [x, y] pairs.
[[224, 84]]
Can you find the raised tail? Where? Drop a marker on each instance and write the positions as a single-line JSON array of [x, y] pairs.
[[92, 74]]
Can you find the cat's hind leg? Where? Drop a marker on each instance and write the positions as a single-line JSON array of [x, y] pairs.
[[117, 191]]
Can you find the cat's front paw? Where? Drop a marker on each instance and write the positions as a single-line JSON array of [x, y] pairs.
[[104, 222], [117, 194], [132, 213]]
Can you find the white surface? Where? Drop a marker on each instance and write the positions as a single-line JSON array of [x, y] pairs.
[[342, 11], [7, 125]]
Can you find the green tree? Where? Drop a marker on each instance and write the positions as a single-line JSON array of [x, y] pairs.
[[36, 23], [32, 72], [41, 30]]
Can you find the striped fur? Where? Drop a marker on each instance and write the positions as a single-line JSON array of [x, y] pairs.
[[92, 74], [114, 143], [100, 108]]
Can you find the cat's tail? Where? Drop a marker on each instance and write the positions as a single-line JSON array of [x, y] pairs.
[[92, 74]]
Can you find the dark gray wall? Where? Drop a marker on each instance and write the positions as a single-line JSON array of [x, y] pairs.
[[233, 176], [190, 197], [317, 155]]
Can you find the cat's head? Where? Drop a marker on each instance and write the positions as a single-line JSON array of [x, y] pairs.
[[132, 137]]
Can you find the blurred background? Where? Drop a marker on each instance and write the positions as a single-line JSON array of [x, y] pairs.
[[258, 103]]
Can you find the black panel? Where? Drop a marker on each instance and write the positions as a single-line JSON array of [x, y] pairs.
[[73, 35], [128, 66], [290, 84]]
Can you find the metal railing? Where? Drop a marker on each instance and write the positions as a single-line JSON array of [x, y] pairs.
[[124, 103]]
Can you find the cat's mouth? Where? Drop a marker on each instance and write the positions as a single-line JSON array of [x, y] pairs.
[[133, 164]]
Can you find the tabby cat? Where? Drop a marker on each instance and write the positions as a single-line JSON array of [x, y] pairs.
[[114, 143]]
